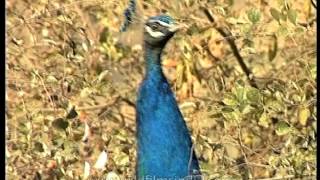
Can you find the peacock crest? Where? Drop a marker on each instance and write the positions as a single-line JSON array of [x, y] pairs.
[[131, 30]]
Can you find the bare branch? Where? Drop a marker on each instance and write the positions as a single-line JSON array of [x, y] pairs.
[[231, 40]]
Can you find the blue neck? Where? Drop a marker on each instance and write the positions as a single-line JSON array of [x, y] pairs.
[[152, 57], [163, 140]]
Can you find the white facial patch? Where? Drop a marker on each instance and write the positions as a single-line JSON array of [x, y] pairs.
[[171, 27], [161, 23], [155, 34]]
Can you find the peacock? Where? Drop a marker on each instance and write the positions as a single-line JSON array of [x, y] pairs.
[[164, 145]]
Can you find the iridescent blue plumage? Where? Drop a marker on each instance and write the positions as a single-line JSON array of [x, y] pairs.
[[163, 18], [164, 143]]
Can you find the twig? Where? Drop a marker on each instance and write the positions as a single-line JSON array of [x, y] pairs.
[[84, 108], [245, 164], [313, 4], [45, 89], [288, 177], [308, 24], [93, 32], [227, 34], [130, 103], [26, 21], [113, 100]]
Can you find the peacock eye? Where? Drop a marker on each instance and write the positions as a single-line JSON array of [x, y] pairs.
[[154, 26]]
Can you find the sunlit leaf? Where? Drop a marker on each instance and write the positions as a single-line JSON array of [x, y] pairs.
[[230, 99], [85, 92], [246, 109], [122, 159], [264, 120], [240, 93], [304, 114]]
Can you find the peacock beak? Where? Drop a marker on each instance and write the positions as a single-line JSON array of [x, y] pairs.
[[176, 27]]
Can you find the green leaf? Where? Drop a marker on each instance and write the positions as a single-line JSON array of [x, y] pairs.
[[240, 93], [292, 15], [281, 2], [282, 128], [299, 29], [254, 15], [231, 115], [274, 105], [275, 14], [227, 109], [253, 95], [283, 30]]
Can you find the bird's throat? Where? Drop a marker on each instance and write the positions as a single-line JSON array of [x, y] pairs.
[[152, 58]]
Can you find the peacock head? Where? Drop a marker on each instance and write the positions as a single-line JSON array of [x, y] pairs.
[[159, 29]]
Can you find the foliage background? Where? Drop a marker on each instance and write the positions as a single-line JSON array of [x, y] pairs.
[[65, 72]]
